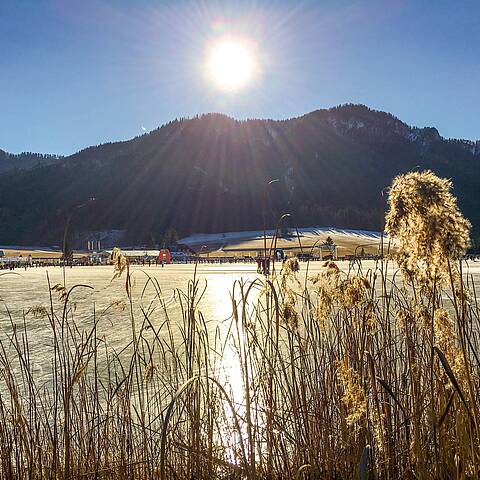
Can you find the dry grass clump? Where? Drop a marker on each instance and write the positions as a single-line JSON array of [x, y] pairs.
[[61, 291], [336, 290], [353, 393], [119, 262], [37, 311], [290, 267], [351, 374], [445, 340], [326, 288], [289, 307], [424, 216]]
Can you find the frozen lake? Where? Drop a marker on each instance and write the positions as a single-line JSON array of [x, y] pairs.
[[25, 290]]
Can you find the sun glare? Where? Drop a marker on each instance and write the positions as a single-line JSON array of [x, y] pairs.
[[230, 65]]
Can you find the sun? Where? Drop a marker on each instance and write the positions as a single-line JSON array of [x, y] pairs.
[[230, 64]]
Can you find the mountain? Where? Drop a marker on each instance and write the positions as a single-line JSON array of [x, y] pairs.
[[25, 160], [211, 173]]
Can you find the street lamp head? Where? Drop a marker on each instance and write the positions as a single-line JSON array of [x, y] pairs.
[[77, 207]]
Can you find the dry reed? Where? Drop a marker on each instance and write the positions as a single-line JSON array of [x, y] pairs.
[[352, 375]]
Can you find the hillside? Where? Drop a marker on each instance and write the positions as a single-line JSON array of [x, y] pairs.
[[209, 174], [25, 160]]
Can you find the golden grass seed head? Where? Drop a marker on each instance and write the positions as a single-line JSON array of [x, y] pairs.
[[331, 268], [443, 328], [291, 266], [423, 215], [353, 396], [402, 318], [353, 291], [119, 305], [119, 261], [150, 371], [423, 316], [289, 309], [445, 341], [61, 291], [37, 311]]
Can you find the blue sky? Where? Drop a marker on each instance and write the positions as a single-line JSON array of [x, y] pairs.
[[74, 74]]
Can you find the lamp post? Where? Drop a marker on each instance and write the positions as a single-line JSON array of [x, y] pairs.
[[274, 241], [265, 192], [201, 250], [382, 223], [65, 232]]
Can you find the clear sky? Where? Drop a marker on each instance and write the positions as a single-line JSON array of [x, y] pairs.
[[78, 73]]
